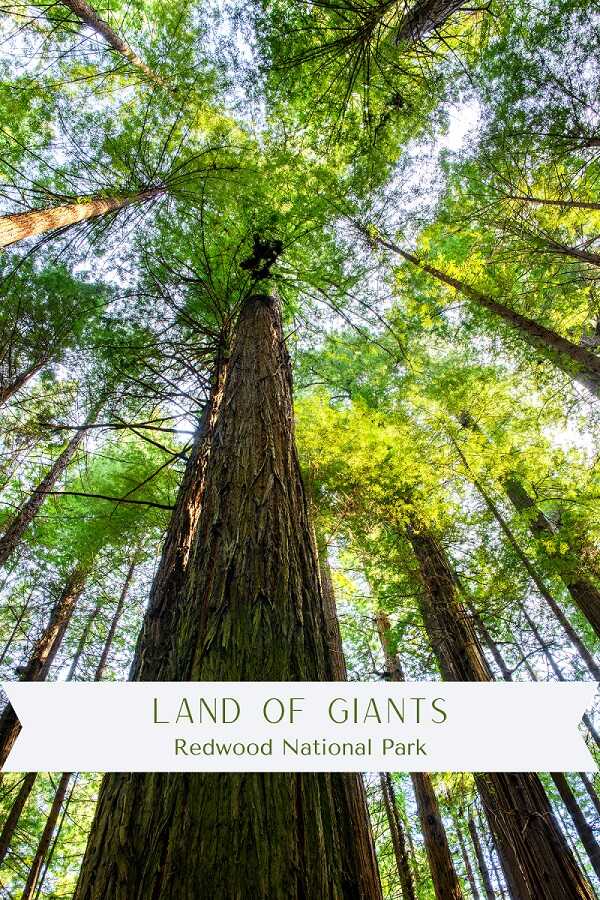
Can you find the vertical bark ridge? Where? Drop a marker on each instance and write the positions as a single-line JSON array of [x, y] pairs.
[[250, 609]]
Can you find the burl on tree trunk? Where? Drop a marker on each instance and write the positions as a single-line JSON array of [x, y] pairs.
[[250, 609]]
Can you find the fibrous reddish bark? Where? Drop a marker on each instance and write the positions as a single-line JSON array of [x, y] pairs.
[[19, 226], [250, 609]]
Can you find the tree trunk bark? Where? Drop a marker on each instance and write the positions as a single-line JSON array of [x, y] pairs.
[[19, 226], [534, 854], [397, 836], [481, 863], [253, 611], [43, 654], [588, 785], [566, 204], [8, 390], [584, 592], [40, 854], [101, 667], [13, 534], [443, 874], [584, 830], [585, 366], [465, 855], [88, 15], [12, 820], [424, 17]]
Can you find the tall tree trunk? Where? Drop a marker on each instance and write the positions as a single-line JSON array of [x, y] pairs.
[[584, 830], [18, 226], [56, 838], [445, 881], [88, 15], [334, 635], [466, 860], [114, 623], [534, 854], [40, 854], [253, 611], [481, 862], [564, 204], [397, 836], [12, 819], [577, 362], [588, 785], [82, 643], [584, 592], [16, 528], [8, 389], [424, 18], [42, 656]]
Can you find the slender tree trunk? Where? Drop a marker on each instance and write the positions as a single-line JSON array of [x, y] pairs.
[[16, 627], [397, 836], [466, 859], [584, 830], [18, 226], [334, 635], [536, 859], [588, 785], [574, 360], [584, 592], [50, 856], [253, 611], [565, 204], [40, 854], [591, 610], [8, 390], [445, 881], [16, 528], [82, 643], [88, 15], [43, 654], [12, 820], [481, 862], [101, 667]]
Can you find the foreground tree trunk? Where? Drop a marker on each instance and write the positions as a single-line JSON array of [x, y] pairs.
[[445, 881], [253, 611], [534, 854], [49, 827], [16, 528], [88, 15], [573, 359], [19, 226], [397, 836], [43, 654]]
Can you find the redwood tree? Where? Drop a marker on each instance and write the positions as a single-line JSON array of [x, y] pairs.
[[251, 608]]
